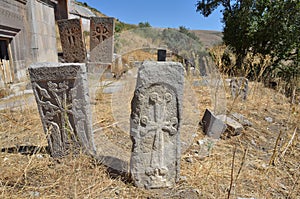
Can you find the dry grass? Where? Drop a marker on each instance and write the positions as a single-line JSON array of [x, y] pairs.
[[257, 171]]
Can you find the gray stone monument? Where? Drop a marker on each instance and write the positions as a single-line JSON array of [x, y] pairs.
[[61, 93], [155, 124], [161, 55], [239, 87], [212, 126], [101, 39], [70, 31]]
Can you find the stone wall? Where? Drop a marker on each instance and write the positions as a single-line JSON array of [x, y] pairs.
[[29, 27], [43, 35]]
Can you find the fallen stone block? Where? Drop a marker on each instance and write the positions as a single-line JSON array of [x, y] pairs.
[[212, 126], [233, 126]]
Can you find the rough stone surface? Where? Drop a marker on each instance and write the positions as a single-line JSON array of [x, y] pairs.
[[29, 30], [239, 87], [102, 39], [72, 42], [233, 126], [241, 119], [155, 124], [62, 98], [161, 55], [212, 126]]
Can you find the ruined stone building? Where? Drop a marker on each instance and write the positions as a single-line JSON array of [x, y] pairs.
[[27, 35]]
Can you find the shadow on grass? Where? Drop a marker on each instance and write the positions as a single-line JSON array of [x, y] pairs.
[[26, 150]]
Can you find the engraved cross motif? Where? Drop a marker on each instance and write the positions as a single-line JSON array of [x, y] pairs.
[[56, 114], [101, 33], [71, 37], [158, 126]]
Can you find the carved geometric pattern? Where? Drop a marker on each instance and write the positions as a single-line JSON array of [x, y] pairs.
[[72, 40], [101, 39], [156, 127], [63, 107]]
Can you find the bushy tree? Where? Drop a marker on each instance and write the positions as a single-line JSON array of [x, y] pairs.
[[265, 27]]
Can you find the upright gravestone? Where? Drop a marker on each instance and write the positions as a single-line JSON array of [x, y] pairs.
[[161, 55], [101, 39], [239, 87], [155, 124], [72, 42], [61, 93]]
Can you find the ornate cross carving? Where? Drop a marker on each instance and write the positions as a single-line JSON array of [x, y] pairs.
[[158, 126]]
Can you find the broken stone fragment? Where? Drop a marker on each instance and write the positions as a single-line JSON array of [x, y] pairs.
[[233, 126], [212, 126], [241, 119]]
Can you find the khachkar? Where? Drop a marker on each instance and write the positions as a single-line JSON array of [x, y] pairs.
[[101, 39], [61, 93], [155, 124], [71, 37]]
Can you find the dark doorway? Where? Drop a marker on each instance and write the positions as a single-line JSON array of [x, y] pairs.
[[6, 69]]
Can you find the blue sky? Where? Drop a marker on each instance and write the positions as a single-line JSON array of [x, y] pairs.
[[159, 13]]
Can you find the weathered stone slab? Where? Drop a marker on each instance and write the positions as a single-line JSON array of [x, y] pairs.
[[233, 126], [239, 87], [62, 97], [161, 55], [241, 119], [70, 31], [155, 124], [212, 126], [101, 39]]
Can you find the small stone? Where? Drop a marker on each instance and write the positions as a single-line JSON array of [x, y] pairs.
[[34, 193], [189, 159], [269, 119], [233, 126], [183, 178]]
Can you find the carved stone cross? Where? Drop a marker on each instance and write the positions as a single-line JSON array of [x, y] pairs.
[[61, 94], [155, 125]]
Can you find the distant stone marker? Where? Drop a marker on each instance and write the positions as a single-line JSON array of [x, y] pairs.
[[239, 87], [155, 124], [212, 126], [61, 93], [72, 42], [161, 55], [101, 39]]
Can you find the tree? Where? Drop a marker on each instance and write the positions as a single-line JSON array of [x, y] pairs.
[[144, 25], [268, 28]]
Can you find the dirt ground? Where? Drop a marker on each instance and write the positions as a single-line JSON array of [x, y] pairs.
[[262, 162]]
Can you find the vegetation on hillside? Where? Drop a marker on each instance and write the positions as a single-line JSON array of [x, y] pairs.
[[261, 30]]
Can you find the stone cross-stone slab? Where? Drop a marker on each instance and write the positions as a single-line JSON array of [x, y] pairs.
[[102, 39], [155, 124], [71, 37], [239, 87], [62, 96]]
